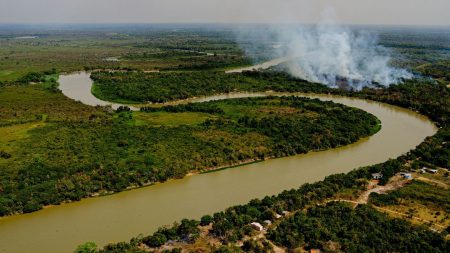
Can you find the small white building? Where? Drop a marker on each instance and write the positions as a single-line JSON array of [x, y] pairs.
[[377, 176], [434, 171], [285, 213], [277, 216], [268, 222], [407, 176], [257, 226]]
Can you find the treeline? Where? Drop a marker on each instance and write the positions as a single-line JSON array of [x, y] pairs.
[[163, 55], [210, 62], [191, 107], [193, 60], [167, 86]]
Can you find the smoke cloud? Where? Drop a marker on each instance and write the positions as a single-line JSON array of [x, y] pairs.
[[330, 54]]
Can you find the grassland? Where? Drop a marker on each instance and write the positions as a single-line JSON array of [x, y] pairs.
[[424, 200]]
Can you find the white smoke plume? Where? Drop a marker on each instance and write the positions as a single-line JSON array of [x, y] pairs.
[[334, 55]]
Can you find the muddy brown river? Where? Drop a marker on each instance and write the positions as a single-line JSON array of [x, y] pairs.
[[127, 214]]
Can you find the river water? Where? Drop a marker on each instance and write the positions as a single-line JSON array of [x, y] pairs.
[[264, 65], [121, 216]]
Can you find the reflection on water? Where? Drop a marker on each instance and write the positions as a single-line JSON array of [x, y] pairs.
[[124, 215]]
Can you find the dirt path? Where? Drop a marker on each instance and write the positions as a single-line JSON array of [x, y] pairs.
[[406, 215], [381, 209], [439, 183], [394, 183]]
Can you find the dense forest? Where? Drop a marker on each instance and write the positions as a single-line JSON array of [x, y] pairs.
[[192, 60], [166, 86], [67, 156]]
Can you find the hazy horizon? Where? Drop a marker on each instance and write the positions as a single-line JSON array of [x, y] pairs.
[[352, 12]]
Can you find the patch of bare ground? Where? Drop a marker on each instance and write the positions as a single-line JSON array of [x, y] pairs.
[[204, 243], [394, 183], [433, 182]]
